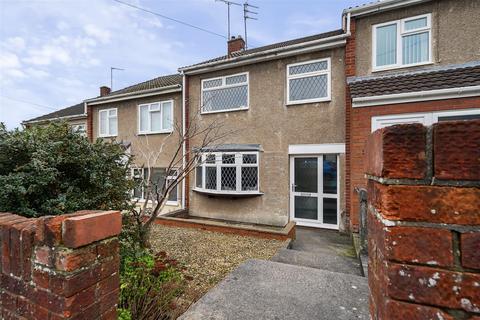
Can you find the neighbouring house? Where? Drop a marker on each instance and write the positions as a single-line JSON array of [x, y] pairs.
[[75, 116], [284, 158], [407, 61], [143, 118]]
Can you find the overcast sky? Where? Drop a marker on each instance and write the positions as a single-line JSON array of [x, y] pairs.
[[56, 53]]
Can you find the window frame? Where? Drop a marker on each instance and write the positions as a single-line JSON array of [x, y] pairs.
[[142, 198], [328, 72], [219, 165], [149, 105], [107, 134], [400, 34], [75, 129], [223, 86]]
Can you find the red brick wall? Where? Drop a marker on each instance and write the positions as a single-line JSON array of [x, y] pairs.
[[90, 123], [349, 72], [424, 221], [359, 127], [62, 267]]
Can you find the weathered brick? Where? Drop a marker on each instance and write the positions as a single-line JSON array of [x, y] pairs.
[[397, 152], [457, 150], [435, 287], [420, 245], [396, 310], [453, 205], [470, 250], [69, 260], [86, 229], [44, 255]]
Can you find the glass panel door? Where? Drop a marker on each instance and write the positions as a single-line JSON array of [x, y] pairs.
[[314, 190]]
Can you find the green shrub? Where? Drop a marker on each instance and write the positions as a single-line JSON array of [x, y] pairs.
[[149, 285], [48, 170]]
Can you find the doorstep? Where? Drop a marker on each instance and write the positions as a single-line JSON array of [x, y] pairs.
[[181, 219]]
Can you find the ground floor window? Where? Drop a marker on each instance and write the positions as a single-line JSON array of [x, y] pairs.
[[228, 172], [158, 177]]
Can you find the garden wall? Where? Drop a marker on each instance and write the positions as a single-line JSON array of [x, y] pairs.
[[59, 267], [424, 221]]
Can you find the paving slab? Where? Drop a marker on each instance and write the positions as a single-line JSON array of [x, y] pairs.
[[320, 260], [260, 289]]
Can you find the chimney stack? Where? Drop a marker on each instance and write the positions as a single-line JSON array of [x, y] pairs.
[[235, 44], [104, 90]]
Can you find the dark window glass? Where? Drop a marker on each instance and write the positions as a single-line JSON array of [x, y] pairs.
[[228, 158], [211, 178], [199, 177], [456, 118], [229, 178], [329, 211], [306, 207], [330, 173], [306, 175], [249, 178]]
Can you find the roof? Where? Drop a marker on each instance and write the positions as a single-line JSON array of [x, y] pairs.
[[76, 110], [453, 76], [156, 83], [380, 6], [259, 50]]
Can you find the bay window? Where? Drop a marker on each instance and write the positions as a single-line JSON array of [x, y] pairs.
[[228, 173], [155, 117], [107, 122], [226, 93], [401, 43]]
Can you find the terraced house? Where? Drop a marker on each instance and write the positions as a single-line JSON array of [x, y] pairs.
[[143, 118], [300, 111]]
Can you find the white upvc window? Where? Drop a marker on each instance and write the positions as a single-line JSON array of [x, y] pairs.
[[402, 43], [228, 173], [156, 117], [80, 129], [107, 122], [222, 94], [157, 178], [309, 81], [425, 118]]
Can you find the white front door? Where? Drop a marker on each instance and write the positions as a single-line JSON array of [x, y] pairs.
[[314, 190]]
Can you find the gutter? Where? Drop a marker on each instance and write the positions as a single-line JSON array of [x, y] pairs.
[[79, 116], [315, 45], [134, 95], [439, 94], [380, 6]]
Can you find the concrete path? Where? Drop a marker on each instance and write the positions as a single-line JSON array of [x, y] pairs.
[[321, 249], [268, 290]]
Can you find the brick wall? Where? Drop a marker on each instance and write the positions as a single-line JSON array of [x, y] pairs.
[[59, 267], [349, 72], [360, 128], [424, 221]]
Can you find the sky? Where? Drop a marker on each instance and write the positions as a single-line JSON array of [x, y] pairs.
[[57, 53]]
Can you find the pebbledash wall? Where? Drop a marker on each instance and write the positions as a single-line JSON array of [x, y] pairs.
[[60, 267], [424, 221]]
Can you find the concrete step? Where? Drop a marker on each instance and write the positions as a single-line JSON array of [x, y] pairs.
[[270, 290], [324, 260]]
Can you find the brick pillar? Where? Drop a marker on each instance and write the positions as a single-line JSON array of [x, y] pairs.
[[350, 70], [59, 267], [424, 221], [90, 123]]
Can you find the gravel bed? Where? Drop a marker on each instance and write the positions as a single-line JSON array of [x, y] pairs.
[[208, 256]]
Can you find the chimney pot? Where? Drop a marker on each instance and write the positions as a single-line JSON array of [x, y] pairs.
[[235, 44], [104, 90]]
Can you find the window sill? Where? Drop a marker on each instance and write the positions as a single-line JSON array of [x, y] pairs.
[[223, 111], [110, 136], [228, 194], [405, 66], [293, 103], [152, 133], [168, 203]]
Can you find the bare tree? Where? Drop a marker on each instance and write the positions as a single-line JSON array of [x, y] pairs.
[[181, 164]]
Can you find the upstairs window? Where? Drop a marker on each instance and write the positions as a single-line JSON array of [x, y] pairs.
[[155, 117], [227, 93], [228, 173], [107, 122], [401, 43], [308, 81]]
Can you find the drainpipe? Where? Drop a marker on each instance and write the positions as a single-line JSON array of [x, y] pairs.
[[184, 147], [348, 24]]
